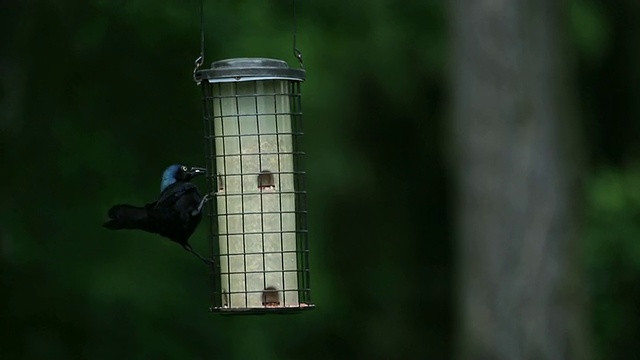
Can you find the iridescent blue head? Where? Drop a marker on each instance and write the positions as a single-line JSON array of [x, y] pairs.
[[179, 172]]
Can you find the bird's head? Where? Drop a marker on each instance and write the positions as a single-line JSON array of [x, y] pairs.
[[179, 172]]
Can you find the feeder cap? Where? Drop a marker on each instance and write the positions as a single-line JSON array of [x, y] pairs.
[[249, 69]]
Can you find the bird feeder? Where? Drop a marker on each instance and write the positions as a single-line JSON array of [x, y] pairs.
[[258, 211]]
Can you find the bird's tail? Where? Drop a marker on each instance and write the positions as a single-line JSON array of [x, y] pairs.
[[126, 217]]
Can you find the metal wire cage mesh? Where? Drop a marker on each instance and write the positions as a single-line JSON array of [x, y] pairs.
[[258, 217]]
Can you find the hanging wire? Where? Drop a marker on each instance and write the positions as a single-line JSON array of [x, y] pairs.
[[200, 60], [296, 52]]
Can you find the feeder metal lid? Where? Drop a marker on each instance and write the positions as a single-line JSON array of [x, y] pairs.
[[249, 69]]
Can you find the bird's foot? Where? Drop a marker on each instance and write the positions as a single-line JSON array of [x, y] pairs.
[[208, 261], [202, 202]]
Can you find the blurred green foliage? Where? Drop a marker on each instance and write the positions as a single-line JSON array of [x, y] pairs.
[[612, 249], [97, 98]]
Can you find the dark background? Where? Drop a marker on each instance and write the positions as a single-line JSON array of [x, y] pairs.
[[97, 99]]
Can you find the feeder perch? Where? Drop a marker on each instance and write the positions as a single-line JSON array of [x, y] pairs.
[[258, 214]]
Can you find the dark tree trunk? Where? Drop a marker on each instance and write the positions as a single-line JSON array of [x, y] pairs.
[[517, 166]]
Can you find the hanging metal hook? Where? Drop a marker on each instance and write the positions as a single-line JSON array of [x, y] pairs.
[[296, 52], [298, 56], [200, 60]]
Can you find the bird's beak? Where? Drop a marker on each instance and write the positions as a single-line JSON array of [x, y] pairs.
[[194, 171]]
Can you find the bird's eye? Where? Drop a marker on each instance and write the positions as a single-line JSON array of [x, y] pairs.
[[184, 168]]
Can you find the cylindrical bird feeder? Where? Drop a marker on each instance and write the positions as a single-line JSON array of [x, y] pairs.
[[258, 211]]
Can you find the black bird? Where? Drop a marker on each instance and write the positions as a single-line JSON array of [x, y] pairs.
[[176, 213]]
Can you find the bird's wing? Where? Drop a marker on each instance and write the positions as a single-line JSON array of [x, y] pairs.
[[173, 193]]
